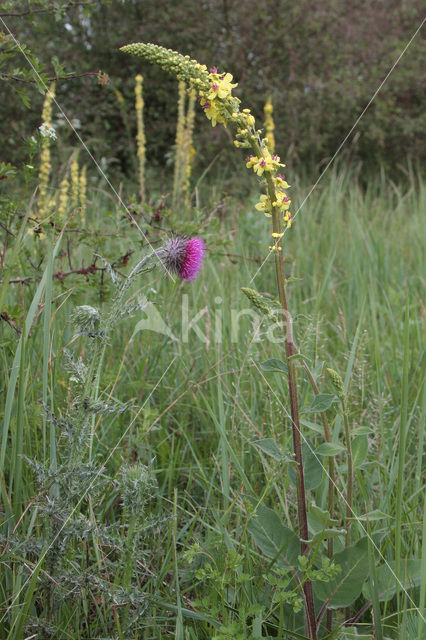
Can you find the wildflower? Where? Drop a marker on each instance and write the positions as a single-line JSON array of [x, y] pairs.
[[212, 109], [283, 201], [82, 188], [75, 182], [288, 219], [221, 87], [269, 125], [183, 256], [140, 136], [47, 131], [280, 182], [267, 162], [63, 200], [264, 205]]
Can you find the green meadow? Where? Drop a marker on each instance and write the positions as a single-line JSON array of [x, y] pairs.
[[210, 424]]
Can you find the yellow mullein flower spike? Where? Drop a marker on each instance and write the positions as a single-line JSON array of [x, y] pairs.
[[48, 133], [140, 135], [269, 125], [220, 106], [82, 192], [63, 200], [74, 173]]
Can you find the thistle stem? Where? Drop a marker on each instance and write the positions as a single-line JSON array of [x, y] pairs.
[[294, 403]]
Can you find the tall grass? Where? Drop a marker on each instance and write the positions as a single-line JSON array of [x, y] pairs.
[[356, 258]]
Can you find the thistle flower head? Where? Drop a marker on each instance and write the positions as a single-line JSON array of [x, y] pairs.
[[183, 256]]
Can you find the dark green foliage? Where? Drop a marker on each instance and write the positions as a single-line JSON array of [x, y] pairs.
[[320, 62]]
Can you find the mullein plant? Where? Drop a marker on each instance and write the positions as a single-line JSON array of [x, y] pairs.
[[73, 489], [48, 134], [184, 149], [140, 136], [75, 184], [63, 201], [269, 125], [82, 192], [215, 94]]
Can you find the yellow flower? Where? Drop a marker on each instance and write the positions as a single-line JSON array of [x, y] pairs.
[[220, 87], [266, 163], [212, 109], [283, 201], [264, 205], [288, 219]]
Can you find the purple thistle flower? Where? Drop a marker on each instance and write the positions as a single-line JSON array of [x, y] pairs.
[[184, 256]]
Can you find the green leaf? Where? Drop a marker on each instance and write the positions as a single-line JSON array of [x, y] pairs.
[[321, 516], [387, 585], [346, 587], [317, 371], [270, 447], [274, 539], [362, 431], [274, 365], [299, 356], [329, 449], [311, 465], [322, 402], [359, 450], [326, 533], [312, 425]]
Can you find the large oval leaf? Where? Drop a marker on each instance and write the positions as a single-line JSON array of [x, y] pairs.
[[346, 587], [273, 538], [387, 583]]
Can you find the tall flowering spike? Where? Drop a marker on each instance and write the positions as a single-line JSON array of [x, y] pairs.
[[183, 256], [140, 136], [269, 125], [188, 148], [180, 142], [190, 71], [82, 191], [63, 201], [48, 133], [75, 182], [221, 107]]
